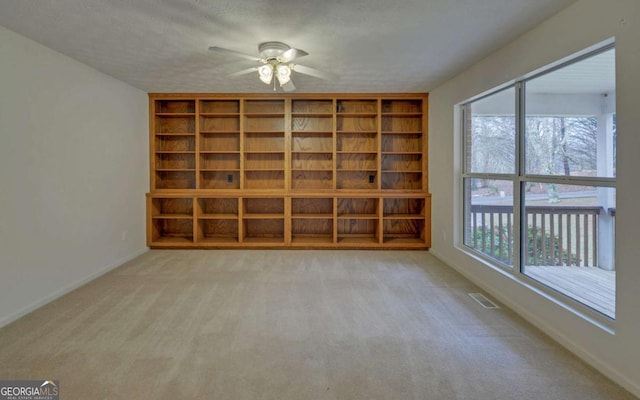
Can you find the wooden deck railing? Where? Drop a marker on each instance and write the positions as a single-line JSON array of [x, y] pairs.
[[554, 235], [492, 231]]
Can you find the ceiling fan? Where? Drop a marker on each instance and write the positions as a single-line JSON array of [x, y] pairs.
[[275, 63]]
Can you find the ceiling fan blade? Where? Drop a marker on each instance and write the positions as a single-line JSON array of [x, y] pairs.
[[233, 53], [244, 72], [288, 87], [292, 54], [313, 72]]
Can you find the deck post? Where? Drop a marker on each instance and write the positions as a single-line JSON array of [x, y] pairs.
[[606, 197]]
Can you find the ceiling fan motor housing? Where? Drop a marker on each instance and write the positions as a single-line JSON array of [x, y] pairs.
[[271, 50]]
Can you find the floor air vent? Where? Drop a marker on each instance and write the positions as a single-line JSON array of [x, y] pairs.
[[483, 301]]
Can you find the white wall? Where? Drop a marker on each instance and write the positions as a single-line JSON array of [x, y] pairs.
[[73, 174], [583, 24]]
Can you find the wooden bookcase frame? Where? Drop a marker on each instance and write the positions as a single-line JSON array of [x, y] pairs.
[[292, 171]]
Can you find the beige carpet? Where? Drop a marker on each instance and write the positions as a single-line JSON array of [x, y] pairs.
[[289, 325]]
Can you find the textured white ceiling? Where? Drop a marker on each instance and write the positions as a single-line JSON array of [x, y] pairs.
[[373, 45]]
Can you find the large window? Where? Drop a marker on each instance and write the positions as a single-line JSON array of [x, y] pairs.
[[539, 178]]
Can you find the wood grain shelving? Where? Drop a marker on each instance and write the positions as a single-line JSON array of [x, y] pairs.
[[310, 171]]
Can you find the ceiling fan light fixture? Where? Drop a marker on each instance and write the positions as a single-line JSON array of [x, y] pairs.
[[275, 59], [283, 73], [265, 73]]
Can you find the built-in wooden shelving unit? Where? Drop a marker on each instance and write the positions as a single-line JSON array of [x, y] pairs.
[[310, 171]]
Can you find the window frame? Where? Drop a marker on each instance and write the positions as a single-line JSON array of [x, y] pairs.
[[519, 179]]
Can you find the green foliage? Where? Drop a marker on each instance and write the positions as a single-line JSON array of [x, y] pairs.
[[500, 252], [560, 255], [499, 235]]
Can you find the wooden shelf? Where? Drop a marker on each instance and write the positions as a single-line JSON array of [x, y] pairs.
[[263, 240], [401, 114], [312, 216], [173, 216], [357, 216], [264, 115], [217, 240], [263, 216], [218, 216], [311, 239], [222, 230], [264, 131], [401, 133], [170, 106], [402, 241], [357, 239], [312, 115], [173, 240], [175, 179], [324, 107], [220, 107], [217, 115], [175, 115], [306, 171]]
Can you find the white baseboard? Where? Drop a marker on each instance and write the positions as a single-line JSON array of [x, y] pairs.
[[559, 337], [6, 320]]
